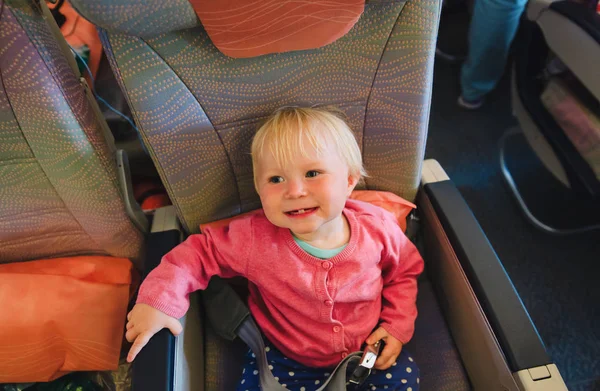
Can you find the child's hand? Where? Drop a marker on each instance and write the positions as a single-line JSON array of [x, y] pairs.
[[390, 352], [143, 322]]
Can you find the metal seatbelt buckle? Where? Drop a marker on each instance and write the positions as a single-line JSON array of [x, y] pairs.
[[367, 361]]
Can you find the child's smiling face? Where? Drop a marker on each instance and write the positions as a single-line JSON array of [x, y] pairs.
[[308, 195]]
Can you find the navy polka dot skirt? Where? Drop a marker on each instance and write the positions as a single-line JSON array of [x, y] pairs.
[[402, 376]]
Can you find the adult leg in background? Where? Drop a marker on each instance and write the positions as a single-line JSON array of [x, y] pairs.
[[492, 30]]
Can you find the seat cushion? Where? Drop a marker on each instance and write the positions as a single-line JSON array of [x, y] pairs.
[[223, 361], [61, 315], [433, 348]]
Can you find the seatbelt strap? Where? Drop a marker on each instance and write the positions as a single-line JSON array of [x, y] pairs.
[[230, 318], [250, 334]]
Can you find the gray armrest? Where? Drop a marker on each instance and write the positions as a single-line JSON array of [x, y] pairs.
[[497, 340], [168, 363]]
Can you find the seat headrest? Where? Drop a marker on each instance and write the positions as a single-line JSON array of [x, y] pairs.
[[238, 28], [245, 28]]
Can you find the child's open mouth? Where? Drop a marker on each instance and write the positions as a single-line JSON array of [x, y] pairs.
[[301, 212]]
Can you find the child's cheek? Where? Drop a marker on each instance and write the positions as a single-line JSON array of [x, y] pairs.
[[271, 203], [268, 196]]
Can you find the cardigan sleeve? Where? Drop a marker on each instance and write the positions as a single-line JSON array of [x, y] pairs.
[[222, 251]]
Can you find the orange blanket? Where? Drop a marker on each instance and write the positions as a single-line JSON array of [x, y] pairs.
[[61, 315]]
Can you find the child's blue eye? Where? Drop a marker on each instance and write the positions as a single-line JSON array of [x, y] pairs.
[[312, 174], [275, 179]]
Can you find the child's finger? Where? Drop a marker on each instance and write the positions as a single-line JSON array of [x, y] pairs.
[[377, 335], [131, 334], [128, 326], [138, 344], [390, 353], [175, 327], [384, 362], [387, 356]]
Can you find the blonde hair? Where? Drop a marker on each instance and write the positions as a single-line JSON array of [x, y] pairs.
[[285, 131]]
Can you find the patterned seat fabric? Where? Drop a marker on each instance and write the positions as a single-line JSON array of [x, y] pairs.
[[197, 111], [59, 194]]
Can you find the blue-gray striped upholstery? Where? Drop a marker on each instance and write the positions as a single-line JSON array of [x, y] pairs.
[[59, 194]]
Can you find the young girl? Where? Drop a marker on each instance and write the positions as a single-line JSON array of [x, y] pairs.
[[324, 271]]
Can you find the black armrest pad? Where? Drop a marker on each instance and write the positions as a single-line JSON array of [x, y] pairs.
[[584, 17], [153, 367], [501, 303]]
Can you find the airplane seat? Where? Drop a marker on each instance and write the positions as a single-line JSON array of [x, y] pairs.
[[68, 249], [556, 100], [197, 110]]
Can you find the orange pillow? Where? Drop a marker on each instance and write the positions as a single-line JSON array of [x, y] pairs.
[[61, 315], [249, 28], [397, 205], [394, 204]]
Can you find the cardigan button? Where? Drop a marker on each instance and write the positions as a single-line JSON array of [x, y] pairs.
[[328, 303], [344, 355], [336, 329], [326, 265]]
